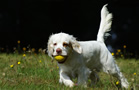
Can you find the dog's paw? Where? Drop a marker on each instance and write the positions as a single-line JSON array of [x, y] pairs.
[[69, 83], [125, 84]]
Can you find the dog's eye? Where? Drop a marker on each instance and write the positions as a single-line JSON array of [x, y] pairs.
[[65, 44], [55, 44]]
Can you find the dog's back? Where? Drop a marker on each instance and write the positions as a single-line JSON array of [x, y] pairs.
[[94, 50]]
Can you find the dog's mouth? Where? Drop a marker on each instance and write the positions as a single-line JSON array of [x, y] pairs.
[[60, 58]]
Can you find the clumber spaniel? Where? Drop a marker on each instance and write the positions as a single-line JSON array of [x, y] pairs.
[[83, 58]]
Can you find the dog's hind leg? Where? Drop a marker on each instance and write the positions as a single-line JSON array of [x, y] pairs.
[[111, 68], [94, 78], [120, 76]]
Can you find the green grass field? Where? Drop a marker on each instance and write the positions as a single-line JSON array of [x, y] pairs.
[[38, 72]]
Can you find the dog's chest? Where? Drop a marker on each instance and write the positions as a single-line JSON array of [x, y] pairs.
[[71, 71]]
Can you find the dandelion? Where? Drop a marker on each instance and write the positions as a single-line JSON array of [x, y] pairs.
[[24, 55], [18, 63], [24, 49], [118, 50], [12, 66], [57, 67], [117, 53], [40, 61], [18, 41], [112, 54], [135, 73], [117, 83], [122, 55], [124, 46]]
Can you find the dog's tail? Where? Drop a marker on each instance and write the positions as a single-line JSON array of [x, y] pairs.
[[105, 24]]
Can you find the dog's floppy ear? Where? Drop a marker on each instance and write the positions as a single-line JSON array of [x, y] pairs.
[[50, 47], [75, 45]]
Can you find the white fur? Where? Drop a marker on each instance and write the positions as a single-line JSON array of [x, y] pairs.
[[105, 24], [85, 58]]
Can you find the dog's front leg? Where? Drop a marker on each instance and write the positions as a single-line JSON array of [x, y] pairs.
[[64, 78], [83, 76]]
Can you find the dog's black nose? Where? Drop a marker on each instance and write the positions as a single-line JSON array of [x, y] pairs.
[[59, 51]]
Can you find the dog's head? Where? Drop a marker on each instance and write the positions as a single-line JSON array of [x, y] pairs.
[[62, 44]]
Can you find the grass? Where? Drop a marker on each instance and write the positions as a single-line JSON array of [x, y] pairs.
[[38, 72]]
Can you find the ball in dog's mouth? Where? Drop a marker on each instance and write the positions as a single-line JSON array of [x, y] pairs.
[[60, 59]]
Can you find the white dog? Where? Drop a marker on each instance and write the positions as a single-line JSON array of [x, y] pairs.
[[84, 58]]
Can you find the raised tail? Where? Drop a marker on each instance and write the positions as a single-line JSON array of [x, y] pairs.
[[105, 24]]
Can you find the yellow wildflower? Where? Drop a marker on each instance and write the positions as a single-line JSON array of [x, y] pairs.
[[11, 66], [40, 61], [24, 49], [135, 73], [18, 41], [117, 83], [117, 53], [112, 54], [18, 63], [118, 50], [24, 55], [122, 55], [124, 46], [57, 67]]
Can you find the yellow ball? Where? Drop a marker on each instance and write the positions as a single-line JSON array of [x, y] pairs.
[[59, 58]]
